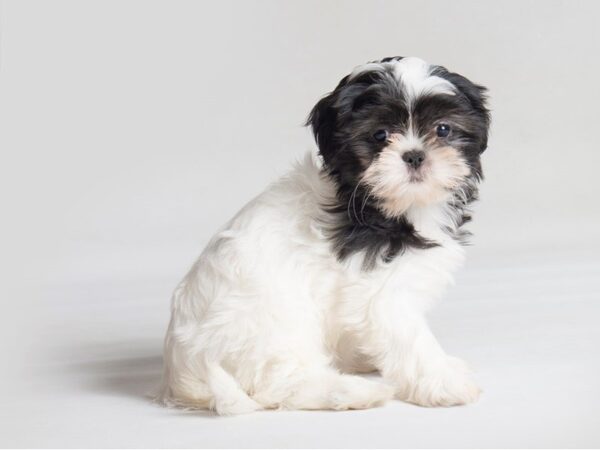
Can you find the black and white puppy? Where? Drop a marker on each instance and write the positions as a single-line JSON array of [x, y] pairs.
[[330, 271]]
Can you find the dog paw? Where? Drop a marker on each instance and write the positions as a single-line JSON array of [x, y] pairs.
[[358, 393], [237, 406], [448, 385]]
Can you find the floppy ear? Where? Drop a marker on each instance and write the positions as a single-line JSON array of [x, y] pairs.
[[476, 95], [478, 99], [323, 121]]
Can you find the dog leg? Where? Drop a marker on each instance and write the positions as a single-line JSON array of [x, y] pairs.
[[409, 357], [323, 388]]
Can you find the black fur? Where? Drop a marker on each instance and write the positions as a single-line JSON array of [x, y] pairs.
[[343, 123], [360, 226]]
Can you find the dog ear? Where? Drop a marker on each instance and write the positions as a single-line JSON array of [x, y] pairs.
[[475, 95], [337, 107], [322, 121]]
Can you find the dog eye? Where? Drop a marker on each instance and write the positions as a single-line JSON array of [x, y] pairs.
[[381, 135], [443, 130]]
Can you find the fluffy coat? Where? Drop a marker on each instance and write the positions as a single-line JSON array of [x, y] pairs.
[[283, 309]]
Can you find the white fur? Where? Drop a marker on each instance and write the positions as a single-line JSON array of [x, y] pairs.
[[267, 316], [389, 179], [415, 76]]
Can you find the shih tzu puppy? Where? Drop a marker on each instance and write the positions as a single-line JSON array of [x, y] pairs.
[[330, 271]]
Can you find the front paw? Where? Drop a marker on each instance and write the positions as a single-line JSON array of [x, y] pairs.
[[449, 384]]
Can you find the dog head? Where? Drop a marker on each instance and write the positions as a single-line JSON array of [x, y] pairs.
[[404, 132]]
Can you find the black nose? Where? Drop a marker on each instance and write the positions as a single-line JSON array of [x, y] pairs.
[[414, 158]]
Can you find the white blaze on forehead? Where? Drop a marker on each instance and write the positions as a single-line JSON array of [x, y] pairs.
[[415, 76], [408, 141]]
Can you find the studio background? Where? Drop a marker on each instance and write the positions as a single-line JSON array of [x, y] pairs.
[[130, 131]]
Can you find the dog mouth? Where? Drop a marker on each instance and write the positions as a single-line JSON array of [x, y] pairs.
[[416, 178], [416, 175]]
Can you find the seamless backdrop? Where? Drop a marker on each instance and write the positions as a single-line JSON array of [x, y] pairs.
[[131, 130]]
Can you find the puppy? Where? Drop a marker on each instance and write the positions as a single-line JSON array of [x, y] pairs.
[[330, 271]]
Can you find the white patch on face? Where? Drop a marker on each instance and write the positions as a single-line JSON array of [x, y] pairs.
[[395, 186], [388, 178], [415, 76], [410, 141]]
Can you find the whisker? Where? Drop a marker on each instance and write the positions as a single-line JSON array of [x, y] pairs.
[[353, 201], [364, 203]]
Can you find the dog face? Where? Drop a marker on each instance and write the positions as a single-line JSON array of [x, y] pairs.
[[405, 132]]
